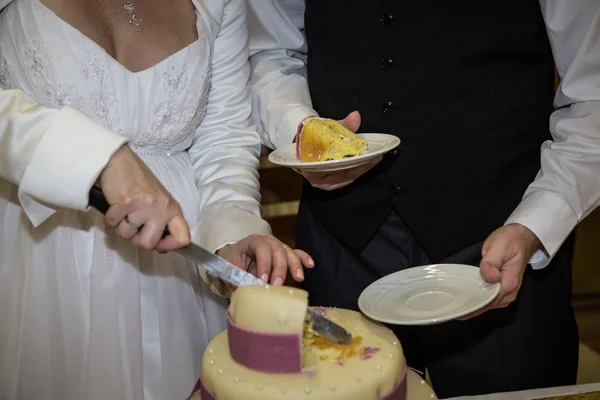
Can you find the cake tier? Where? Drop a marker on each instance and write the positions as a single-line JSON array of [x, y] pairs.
[[416, 389], [372, 367]]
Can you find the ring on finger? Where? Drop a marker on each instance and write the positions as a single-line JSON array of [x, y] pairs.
[[134, 226]]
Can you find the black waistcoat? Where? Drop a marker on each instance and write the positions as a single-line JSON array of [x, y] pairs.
[[468, 87]]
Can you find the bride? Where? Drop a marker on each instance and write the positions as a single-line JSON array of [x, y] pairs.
[[85, 314]]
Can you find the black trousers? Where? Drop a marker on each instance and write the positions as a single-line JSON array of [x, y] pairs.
[[532, 343]]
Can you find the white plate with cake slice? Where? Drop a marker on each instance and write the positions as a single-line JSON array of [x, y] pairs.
[[377, 144], [427, 295]]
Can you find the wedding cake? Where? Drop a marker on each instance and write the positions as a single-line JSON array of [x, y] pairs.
[[269, 351]]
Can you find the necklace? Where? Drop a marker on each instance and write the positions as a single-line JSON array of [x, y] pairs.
[[130, 7]]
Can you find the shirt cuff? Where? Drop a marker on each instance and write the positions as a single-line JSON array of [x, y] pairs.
[[288, 125], [539, 259], [550, 218], [65, 165]]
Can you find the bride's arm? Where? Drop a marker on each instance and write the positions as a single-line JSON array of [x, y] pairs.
[[226, 147], [53, 156]]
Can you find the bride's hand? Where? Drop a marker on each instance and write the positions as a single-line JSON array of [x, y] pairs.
[[140, 207], [267, 258]]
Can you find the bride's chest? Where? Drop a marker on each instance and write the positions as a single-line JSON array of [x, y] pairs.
[[58, 66], [137, 33]]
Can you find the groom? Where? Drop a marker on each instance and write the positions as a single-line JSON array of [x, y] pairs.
[[469, 89]]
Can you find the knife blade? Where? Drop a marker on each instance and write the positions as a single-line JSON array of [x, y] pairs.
[[238, 277], [329, 329], [229, 273], [218, 266]]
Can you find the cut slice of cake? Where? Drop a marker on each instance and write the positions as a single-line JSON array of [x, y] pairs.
[[323, 139]]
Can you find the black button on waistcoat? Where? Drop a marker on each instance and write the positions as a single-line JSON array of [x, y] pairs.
[[387, 63], [387, 107], [395, 188], [386, 18]]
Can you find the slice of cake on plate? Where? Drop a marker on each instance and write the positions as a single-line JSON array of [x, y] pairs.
[[323, 139], [270, 352]]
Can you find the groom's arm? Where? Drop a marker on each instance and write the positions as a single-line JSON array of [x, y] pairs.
[[53, 156], [278, 53], [567, 188]]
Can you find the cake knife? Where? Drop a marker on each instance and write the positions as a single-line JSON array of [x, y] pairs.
[[229, 273]]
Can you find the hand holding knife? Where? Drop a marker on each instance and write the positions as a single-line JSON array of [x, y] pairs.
[[229, 273]]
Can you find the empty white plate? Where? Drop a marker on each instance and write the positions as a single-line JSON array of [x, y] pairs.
[[427, 295], [377, 143]]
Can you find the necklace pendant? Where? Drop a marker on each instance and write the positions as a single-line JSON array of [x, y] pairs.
[[129, 6]]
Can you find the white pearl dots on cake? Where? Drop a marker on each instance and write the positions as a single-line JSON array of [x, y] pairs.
[[370, 367]]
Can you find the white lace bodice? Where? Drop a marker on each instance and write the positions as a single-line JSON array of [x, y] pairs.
[[157, 109]]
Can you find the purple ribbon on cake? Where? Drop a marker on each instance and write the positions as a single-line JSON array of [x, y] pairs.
[[399, 392], [273, 353]]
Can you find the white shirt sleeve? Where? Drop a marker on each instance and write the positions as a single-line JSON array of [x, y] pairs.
[[567, 187], [278, 58], [226, 148], [53, 156]]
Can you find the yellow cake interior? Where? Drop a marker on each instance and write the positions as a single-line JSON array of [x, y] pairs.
[[323, 139]]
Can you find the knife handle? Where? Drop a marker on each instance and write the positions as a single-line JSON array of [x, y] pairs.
[[98, 201]]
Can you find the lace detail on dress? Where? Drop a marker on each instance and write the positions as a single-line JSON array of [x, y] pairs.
[[85, 80], [36, 60], [4, 72], [166, 131], [98, 107], [196, 116], [59, 93]]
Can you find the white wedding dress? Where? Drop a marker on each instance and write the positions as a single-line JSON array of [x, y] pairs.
[[83, 314]]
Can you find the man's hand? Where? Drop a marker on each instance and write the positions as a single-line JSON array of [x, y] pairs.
[[338, 179], [506, 253], [267, 258]]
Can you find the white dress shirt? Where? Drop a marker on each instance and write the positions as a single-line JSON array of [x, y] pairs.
[[567, 187]]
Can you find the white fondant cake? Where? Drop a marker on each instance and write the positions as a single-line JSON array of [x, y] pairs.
[[268, 333]]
